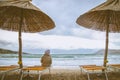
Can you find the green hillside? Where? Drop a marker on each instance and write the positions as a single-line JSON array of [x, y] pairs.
[[5, 51]]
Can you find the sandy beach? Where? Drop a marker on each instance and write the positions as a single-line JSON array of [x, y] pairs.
[[63, 73]]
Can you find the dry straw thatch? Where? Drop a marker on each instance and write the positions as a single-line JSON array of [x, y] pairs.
[[99, 17], [16, 12]]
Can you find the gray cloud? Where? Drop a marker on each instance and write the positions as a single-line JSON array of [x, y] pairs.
[[7, 45], [64, 13], [4, 43]]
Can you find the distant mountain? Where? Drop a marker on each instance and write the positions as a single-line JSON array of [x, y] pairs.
[[110, 51], [62, 51], [74, 51], [5, 51]]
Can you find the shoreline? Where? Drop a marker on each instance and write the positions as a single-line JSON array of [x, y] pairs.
[[60, 60]]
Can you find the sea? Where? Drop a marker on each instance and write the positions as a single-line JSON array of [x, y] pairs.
[[60, 60]]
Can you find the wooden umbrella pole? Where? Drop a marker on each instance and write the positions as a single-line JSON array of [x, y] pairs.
[[106, 47], [20, 40], [107, 41]]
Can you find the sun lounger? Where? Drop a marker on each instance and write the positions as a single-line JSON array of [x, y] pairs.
[[115, 67], [93, 69], [84, 67], [39, 69], [6, 69]]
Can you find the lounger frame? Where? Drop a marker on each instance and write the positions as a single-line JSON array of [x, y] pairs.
[[39, 69], [88, 69], [5, 69]]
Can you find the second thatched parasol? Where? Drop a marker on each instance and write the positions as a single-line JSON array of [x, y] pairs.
[[105, 17]]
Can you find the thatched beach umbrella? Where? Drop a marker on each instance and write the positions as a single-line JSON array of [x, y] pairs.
[[105, 17], [23, 16]]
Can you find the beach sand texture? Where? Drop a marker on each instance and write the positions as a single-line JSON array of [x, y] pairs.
[[62, 74]]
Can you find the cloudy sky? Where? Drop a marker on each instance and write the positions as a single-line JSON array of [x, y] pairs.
[[67, 34]]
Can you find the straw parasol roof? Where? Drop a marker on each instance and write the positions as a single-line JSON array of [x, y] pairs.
[[100, 16], [34, 20], [105, 17], [23, 16]]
